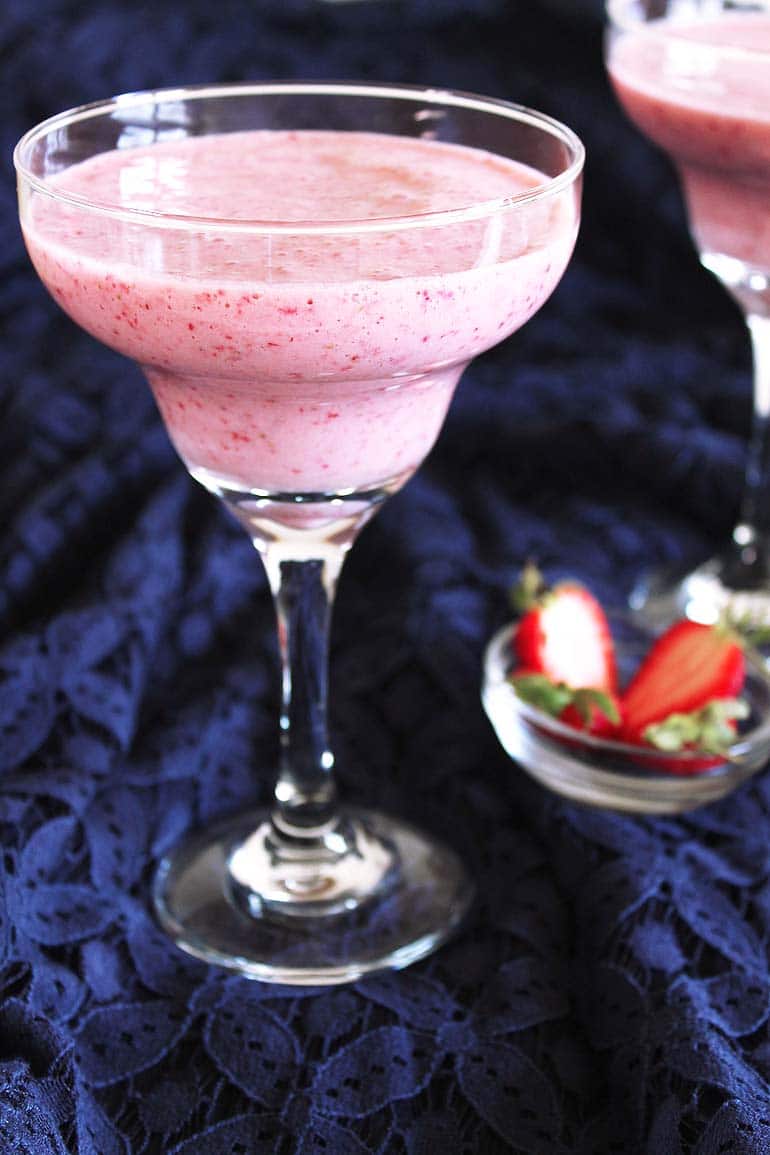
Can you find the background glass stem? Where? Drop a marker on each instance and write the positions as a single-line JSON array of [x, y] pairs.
[[753, 528]]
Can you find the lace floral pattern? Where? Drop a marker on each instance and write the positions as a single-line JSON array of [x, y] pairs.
[[611, 992]]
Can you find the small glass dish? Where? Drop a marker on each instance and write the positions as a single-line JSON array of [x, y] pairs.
[[614, 775]]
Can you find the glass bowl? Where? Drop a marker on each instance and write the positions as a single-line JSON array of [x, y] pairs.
[[614, 775]]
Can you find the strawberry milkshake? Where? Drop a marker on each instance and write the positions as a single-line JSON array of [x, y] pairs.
[[299, 339], [701, 91]]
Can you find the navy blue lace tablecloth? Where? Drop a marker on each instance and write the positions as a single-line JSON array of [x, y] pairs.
[[611, 991]]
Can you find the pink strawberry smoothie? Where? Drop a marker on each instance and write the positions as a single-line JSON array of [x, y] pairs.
[[701, 91], [318, 355]]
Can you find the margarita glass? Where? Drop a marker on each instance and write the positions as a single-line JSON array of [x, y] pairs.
[[302, 272], [694, 75]]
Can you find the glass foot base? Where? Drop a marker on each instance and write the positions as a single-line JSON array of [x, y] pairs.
[[723, 586], [408, 895]]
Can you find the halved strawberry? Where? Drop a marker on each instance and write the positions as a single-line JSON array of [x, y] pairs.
[[564, 634], [689, 666]]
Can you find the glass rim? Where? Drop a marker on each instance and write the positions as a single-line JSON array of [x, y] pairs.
[[436, 96], [627, 15]]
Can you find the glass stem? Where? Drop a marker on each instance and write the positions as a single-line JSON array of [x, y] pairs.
[[752, 534], [303, 591]]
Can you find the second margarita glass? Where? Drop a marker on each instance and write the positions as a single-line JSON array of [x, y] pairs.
[[694, 75]]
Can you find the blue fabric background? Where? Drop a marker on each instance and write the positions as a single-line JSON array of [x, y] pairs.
[[611, 993]]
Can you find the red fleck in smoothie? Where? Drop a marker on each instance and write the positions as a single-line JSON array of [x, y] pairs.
[[318, 355], [701, 91]]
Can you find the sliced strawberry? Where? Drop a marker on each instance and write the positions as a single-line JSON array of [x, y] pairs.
[[688, 667], [564, 635]]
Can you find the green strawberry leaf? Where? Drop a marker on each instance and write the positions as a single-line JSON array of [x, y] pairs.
[[708, 729], [584, 699], [748, 629], [540, 691]]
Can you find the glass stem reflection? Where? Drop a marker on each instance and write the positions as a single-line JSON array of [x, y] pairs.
[[303, 591], [752, 534]]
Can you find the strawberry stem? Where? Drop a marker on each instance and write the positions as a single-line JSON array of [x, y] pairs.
[[584, 699], [529, 588]]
